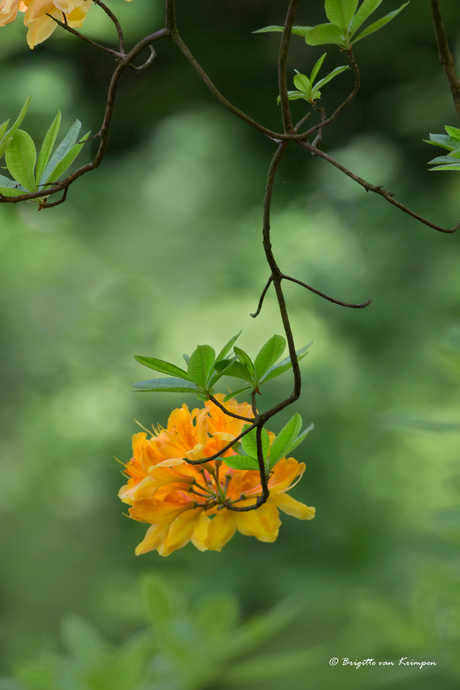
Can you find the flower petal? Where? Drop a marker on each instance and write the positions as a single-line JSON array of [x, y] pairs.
[[263, 523], [154, 536], [220, 531], [292, 507], [200, 531]]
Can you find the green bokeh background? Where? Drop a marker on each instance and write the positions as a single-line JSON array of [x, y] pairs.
[[160, 250]]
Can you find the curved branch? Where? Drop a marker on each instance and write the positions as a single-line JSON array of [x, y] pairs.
[[322, 294], [120, 55], [228, 413], [282, 66], [377, 189], [114, 19], [445, 56], [222, 450], [262, 297]]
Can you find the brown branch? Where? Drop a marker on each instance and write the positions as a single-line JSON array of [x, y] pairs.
[[228, 413], [445, 56], [262, 297], [377, 189], [322, 294], [84, 38], [282, 66], [222, 450], [114, 19]]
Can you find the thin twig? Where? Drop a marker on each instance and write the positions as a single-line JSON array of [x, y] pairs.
[[114, 19], [262, 297], [322, 294], [227, 412], [445, 56], [377, 189], [84, 38], [282, 66]]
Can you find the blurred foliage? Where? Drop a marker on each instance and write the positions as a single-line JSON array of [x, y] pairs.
[[160, 250]]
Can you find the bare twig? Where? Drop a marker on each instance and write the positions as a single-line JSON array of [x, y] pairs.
[[327, 297], [262, 297], [227, 412], [114, 19], [445, 56], [282, 66], [82, 37]]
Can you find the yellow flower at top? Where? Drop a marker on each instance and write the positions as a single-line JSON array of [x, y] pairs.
[[184, 502], [39, 15]]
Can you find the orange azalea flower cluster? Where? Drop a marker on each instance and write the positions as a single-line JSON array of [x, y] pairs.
[[37, 18], [184, 502]]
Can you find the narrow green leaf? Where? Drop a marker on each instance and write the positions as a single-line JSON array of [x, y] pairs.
[[365, 11], [294, 96], [220, 369], [302, 83], [20, 118], [269, 29], [67, 161], [62, 150], [379, 23], [20, 158], [239, 371], [160, 602], [233, 394], [324, 34], [315, 95], [299, 439], [317, 67], [47, 147], [446, 167], [284, 365], [284, 439], [249, 443], [244, 359], [340, 12], [10, 187], [241, 462], [186, 359], [161, 366], [453, 132], [166, 386], [269, 355], [226, 349], [443, 141], [450, 160], [200, 365], [335, 72], [3, 128], [4, 145]]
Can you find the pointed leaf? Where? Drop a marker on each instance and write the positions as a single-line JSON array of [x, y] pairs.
[[220, 369], [64, 147], [365, 11], [165, 386], [379, 23], [299, 439], [10, 187], [241, 462], [47, 147], [233, 394], [282, 442], [269, 29], [294, 96], [302, 83], [3, 128], [269, 355], [453, 132], [68, 159], [200, 365], [186, 359], [249, 443], [4, 145], [442, 140], [340, 12], [161, 366], [226, 349], [284, 365], [446, 167], [239, 371], [317, 67], [330, 76], [245, 360], [20, 158], [324, 34], [19, 119]]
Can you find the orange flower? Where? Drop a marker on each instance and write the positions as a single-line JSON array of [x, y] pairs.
[[184, 502]]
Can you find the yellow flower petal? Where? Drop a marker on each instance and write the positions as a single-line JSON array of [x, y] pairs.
[[200, 531], [180, 532], [292, 507], [221, 530], [155, 536], [263, 523]]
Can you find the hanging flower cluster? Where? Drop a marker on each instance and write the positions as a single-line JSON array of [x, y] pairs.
[[39, 15], [184, 502]]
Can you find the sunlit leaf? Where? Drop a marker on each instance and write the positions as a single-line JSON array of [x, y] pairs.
[[330, 76], [20, 118], [62, 150], [302, 83], [365, 11], [324, 34], [268, 355], [166, 386], [249, 443], [67, 161], [226, 349], [20, 157], [443, 141], [241, 462], [200, 364], [284, 439], [284, 365], [379, 23], [340, 12], [245, 360], [161, 366], [47, 147], [317, 67], [296, 442]]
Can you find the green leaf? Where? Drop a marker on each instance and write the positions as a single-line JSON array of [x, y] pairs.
[[62, 150], [233, 394], [379, 23], [294, 96], [335, 72], [20, 158], [10, 187], [268, 355], [450, 160], [47, 147], [226, 349], [220, 368], [315, 95], [165, 386], [217, 614], [20, 118], [245, 360], [340, 12], [161, 366], [284, 439], [324, 34], [200, 365], [365, 11], [4, 145], [284, 365], [302, 83], [241, 462], [317, 67], [159, 602], [298, 30], [186, 359], [249, 443], [3, 128], [446, 167], [443, 141], [83, 641], [453, 132], [68, 159], [239, 371], [299, 439]]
